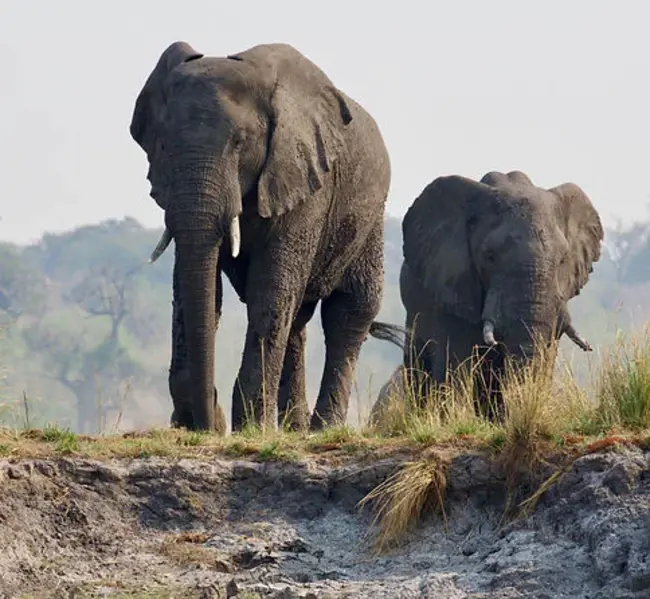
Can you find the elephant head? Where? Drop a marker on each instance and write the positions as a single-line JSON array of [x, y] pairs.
[[504, 254], [252, 132]]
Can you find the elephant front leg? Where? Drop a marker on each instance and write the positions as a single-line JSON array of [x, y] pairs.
[[179, 373], [293, 410], [255, 394], [271, 308]]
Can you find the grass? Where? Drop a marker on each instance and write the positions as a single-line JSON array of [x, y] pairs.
[[543, 407], [332, 444], [548, 421], [400, 500], [624, 385]]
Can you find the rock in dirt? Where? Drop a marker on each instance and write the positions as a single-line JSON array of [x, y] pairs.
[[292, 530]]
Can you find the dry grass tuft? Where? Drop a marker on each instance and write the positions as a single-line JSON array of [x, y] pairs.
[[532, 409], [540, 407], [401, 499], [425, 413]]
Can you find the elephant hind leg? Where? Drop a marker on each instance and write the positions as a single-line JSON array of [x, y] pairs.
[[346, 316], [293, 410]]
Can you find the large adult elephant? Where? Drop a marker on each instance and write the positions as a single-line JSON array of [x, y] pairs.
[[491, 264], [270, 174]]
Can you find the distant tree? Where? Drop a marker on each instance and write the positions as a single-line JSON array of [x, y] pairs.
[[92, 367], [628, 247], [22, 287]]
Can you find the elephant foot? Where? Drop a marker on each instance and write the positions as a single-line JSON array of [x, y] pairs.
[[182, 418], [295, 419], [319, 421], [182, 414], [294, 424]]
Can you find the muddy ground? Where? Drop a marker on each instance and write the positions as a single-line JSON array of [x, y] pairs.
[[152, 528]]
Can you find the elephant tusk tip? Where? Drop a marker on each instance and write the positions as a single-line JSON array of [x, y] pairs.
[[488, 333], [163, 244], [235, 237]]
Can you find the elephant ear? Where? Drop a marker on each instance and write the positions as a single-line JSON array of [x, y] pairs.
[[436, 245], [307, 119], [583, 230], [147, 114]]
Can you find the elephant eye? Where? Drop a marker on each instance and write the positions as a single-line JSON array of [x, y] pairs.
[[490, 256]]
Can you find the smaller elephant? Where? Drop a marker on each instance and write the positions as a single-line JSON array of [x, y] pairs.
[[490, 265]]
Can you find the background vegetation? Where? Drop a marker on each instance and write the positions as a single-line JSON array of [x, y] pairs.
[[85, 326]]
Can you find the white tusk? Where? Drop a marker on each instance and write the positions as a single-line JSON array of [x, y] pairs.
[[572, 334], [488, 333], [163, 244], [235, 237]]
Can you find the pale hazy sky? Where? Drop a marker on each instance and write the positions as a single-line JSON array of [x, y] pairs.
[[557, 88]]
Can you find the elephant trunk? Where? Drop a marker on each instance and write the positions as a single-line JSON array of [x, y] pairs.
[[197, 262], [521, 322], [203, 204], [198, 217]]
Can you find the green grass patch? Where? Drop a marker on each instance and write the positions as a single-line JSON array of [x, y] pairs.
[[624, 385]]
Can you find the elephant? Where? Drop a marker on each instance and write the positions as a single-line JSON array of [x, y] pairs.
[[489, 266], [271, 175]]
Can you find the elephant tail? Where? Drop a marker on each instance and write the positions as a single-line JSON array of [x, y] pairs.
[[389, 332]]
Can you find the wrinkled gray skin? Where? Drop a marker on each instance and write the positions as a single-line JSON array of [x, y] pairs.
[[491, 264], [269, 174]]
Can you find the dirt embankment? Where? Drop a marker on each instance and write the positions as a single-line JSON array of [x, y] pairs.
[[152, 528]]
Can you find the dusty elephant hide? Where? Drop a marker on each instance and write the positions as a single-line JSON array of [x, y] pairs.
[[489, 268], [271, 175]]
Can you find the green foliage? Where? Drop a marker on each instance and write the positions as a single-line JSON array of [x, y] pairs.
[[22, 285]]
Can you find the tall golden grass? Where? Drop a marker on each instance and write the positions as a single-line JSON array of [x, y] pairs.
[[543, 407]]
